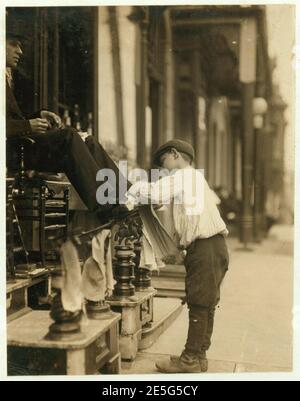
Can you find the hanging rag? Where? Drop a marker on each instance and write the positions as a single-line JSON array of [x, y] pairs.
[[71, 291], [148, 259], [97, 276], [157, 238]]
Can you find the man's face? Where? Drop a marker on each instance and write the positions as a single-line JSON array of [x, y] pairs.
[[168, 160], [13, 52]]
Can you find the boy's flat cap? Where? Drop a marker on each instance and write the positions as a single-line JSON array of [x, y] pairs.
[[179, 145]]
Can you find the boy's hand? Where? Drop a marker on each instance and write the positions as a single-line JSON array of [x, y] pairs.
[[134, 190]]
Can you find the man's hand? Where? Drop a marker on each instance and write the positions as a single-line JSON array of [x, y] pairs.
[[53, 119], [39, 125]]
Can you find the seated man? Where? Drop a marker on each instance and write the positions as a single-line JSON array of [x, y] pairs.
[[57, 148]]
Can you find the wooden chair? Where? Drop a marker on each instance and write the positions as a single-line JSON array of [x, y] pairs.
[[43, 213]]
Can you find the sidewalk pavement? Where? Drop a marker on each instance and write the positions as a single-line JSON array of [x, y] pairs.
[[253, 326]]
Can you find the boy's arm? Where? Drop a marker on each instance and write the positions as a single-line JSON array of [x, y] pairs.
[[160, 192]]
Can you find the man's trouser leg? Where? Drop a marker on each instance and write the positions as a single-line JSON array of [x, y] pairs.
[[64, 150], [103, 159]]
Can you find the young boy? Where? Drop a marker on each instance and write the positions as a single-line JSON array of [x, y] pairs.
[[200, 230]]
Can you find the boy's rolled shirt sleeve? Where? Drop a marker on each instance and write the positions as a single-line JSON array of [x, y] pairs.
[[133, 195], [166, 189], [134, 190], [161, 192]]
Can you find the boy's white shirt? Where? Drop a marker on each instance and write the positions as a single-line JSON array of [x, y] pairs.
[[184, 187], [194, 207]]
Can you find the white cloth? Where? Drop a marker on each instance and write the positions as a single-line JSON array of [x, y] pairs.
[[148, 259], [163, 246], [195, 212], [71, 292], [97, 276]]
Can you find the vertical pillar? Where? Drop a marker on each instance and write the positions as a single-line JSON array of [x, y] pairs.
[[44, 59], [55, 89], [260, 108], [247, 163], [265, 135], [36, 61], [139, 16], [200, 112], [96, 56], [143, 89], [258, 186], [248, 52], [168, 79], [115, 41]]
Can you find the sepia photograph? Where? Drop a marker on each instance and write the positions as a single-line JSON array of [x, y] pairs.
[[149, 189]]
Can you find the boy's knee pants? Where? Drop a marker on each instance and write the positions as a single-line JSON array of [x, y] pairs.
[[206, 264]]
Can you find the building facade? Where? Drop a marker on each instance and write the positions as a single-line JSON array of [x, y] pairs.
[[143, 75]]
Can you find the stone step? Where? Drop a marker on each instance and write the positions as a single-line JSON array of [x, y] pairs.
[[166, 311], [177, 271], [19, 290], [170, 281], [169, 287]]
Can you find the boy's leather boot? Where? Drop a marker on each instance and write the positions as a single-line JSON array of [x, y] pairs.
[[186, 363], [202, 359], [194, 353]]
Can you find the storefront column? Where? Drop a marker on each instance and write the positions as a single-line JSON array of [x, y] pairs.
[[169, 80], [247, 77]]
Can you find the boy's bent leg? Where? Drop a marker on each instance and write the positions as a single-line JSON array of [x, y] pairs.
[[202, 292], [206, 265], [220, 267], [209, 331], [197, 335], [198, 324], [190, 361]]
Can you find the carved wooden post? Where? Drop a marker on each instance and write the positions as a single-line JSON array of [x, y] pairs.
[[124, 259], [129, 275], [136, 307], [142, 279], [98, 310], [66, 324], [124, 271]]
